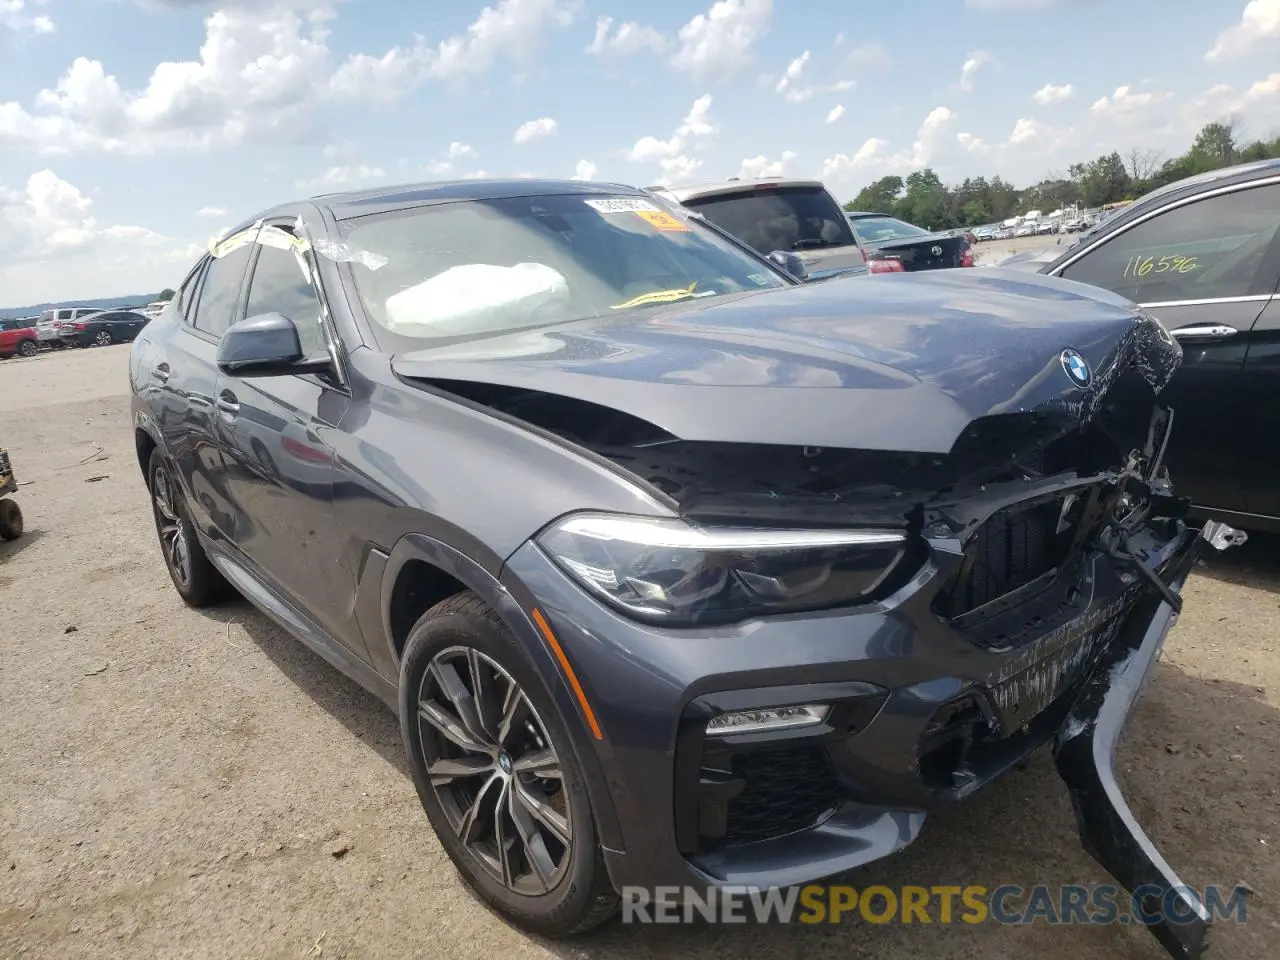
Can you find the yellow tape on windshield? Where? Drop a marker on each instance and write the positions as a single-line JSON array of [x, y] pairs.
[[658, 296]]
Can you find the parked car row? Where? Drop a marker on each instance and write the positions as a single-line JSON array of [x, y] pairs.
[[69, 327], [800, 219]]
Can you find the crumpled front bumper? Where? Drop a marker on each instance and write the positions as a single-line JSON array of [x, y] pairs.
[[1085, 752]]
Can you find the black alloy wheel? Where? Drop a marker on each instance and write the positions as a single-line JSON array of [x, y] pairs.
[[498, 772], [197, 580], [172, 531], [494, 771]]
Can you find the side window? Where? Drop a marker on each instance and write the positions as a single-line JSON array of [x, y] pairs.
[[1206, 250], [187, 296], [280, 286], [64, 314], [220, 292]]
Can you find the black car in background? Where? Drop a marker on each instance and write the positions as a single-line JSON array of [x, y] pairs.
[[1203, 255], [888, 238], [103, 329], [675, 570]]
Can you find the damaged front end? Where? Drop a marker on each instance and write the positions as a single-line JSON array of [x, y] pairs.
[[1047, 538]]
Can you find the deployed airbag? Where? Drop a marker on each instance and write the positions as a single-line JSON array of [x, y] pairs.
[[474, 298]]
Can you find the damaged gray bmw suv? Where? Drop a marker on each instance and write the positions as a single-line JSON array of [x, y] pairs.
[[675, 571]]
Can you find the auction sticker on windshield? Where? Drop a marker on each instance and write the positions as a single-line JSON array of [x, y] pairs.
[[662, 221], [622, 205]]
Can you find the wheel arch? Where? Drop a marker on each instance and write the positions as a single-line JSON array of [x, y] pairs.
[[415, 555]]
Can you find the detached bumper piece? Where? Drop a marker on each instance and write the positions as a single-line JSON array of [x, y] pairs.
[[1085, 754]]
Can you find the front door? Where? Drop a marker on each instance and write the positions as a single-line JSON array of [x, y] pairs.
[[1259, 430], [1204, 268], [277, 436], [207, 303]]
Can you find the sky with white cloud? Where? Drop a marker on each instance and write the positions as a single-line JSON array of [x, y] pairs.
[[132, 130]]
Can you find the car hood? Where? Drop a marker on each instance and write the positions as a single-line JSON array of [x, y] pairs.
[[899, 362]]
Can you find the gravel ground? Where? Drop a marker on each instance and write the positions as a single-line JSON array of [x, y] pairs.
[[184, 784]]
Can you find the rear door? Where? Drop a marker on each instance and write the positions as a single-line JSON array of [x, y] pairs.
[[281, 465], [1202, 266]]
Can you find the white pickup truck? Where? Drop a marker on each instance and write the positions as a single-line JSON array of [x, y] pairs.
[[51, 321]]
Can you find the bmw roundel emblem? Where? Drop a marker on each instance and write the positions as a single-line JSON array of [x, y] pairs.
[[1076, 368]]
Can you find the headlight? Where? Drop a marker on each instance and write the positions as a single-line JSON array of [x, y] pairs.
[[670, 571]]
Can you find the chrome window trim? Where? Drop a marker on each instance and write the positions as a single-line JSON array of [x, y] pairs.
[[1253, 298], [1196, 198]]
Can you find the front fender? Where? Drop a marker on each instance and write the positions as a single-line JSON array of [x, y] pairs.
[[519, 621]]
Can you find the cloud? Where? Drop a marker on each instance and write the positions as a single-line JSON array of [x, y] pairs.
[[212, 212], [1128, 100], [719, 44], [510, 30], [256, 77], [533, 129], [788, 84], [448, 163], [867, 56], [262, 74], [977, 60], [695, 124], [1051, 93], [836, 113], [48, 226], [971, 144], [17, 15], [1259, 22], [841, 167], [761, 166], [679, 169], [1024, 131], [585, 170], [630, 37], [343, 176], [794, 69]]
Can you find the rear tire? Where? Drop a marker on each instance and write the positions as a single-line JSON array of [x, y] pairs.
[[10, 520], [28, 348], [519, 780], [194, 576], [102, 338]]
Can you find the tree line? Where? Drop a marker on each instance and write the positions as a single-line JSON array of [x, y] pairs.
[[922, 198]]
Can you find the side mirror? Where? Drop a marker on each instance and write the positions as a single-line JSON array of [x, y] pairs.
[[266, 345], [791, 263]]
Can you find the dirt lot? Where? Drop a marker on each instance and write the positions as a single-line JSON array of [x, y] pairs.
[[177, 784]]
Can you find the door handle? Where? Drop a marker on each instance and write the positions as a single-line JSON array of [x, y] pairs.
[[1204, 331], [228, 405], [160, 372]]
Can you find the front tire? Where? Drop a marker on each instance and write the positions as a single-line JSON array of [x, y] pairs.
[[196, 579], [497, 774]]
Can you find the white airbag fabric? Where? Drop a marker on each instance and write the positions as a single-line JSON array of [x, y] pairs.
[[474, 298]]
